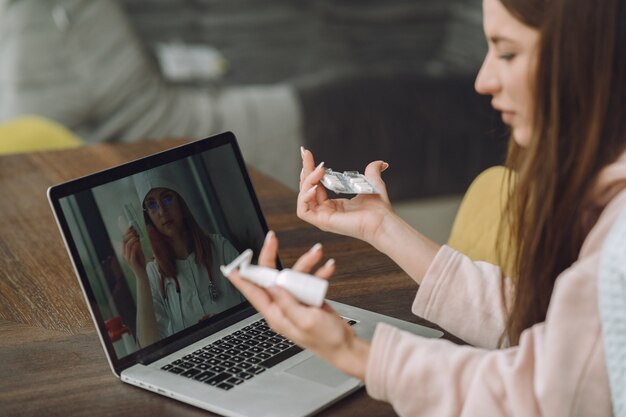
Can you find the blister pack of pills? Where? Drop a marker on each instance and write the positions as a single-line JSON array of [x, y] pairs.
[[348, 182]]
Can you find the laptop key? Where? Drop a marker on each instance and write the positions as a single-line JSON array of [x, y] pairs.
[[217, 379], [203, 366], [245, 375], [234, 381], [225, 386], [263, 355], [168, 366], [204, 375], [228, 364], [176, 370], [186, 365], [254, 360], [243, 347], [256, 370], [218, 368], [177, 362], [244, 365], [272, 351], [190, 373]]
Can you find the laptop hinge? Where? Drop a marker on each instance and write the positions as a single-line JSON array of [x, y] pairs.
[[185, 341]]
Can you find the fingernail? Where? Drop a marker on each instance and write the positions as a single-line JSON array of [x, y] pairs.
[[330, 262], [385, 166], [302, 151], [269, 236], [312, 189], [316, 247], [224, 271], [320, 165]]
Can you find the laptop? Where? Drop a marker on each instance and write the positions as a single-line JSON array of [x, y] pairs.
[[145, 239]]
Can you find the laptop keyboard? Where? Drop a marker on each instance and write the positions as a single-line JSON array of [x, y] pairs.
[[238, 357]]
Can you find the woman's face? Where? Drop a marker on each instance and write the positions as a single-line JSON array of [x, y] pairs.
[[508, 71], [165, 211]]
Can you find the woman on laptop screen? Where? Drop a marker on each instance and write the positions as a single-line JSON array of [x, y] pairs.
[[556, 69], [182, 285]]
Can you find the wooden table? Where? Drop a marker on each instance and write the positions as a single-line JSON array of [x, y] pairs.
[[51, 362]]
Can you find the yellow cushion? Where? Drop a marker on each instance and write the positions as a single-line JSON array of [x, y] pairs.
[[475, 228], [31, 133]]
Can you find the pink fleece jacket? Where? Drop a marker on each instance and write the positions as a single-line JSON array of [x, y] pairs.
[[558, 368]]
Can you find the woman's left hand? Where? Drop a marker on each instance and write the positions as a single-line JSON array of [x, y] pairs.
[[319, 329]]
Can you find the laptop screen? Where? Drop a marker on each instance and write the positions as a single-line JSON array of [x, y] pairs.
[[148, 238]]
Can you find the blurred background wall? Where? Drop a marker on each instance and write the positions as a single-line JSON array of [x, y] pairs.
[[351, 80]]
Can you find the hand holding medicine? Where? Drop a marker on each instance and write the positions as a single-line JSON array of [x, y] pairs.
[[319, 329], [368, 217], [359, 217]]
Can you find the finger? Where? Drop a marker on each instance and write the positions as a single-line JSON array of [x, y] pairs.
[[306, 201], [278, 322], [263, 302], [326, 270], [293, 311], [128, 248], [372, 173], [267, 256], [308, 163], [309, 259], [312, 178], [131, 232], [257, 296]]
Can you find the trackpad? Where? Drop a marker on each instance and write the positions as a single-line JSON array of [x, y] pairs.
[[315, 369]]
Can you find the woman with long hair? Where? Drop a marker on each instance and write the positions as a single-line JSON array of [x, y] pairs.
[[556, 69], [182, 285]]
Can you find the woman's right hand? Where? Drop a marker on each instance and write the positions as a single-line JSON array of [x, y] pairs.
[[132, 251], [361, 217]]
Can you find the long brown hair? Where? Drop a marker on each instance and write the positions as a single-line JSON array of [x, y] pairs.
[[579, 128], [164, 254]]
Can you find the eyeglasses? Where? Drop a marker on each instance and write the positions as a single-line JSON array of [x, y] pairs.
[[153, 205]]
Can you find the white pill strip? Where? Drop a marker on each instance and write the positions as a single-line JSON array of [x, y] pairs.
[[348, 182]]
